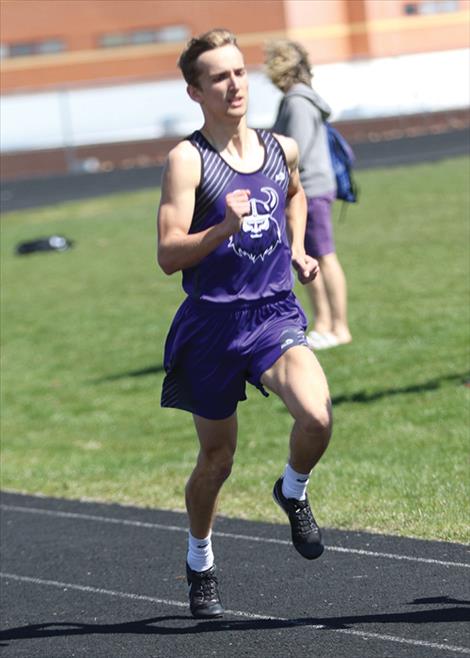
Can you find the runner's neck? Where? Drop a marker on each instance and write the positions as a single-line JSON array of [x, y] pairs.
[[241, 149]]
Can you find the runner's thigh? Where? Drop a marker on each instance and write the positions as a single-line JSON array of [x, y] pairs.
[[217, 436], [298, 379]]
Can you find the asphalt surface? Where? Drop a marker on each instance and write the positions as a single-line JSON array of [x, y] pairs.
[[107, 581], [31, 193]]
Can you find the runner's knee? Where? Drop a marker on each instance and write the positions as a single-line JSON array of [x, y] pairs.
[[316, 423], [217, 464]]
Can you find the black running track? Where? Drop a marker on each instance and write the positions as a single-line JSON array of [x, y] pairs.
[[21, 194], [106, 581]]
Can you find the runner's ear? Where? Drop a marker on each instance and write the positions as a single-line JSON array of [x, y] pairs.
[[194, 93]]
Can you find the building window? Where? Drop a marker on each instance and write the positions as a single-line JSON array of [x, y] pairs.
[[26, 49], [50, 47], [112, 40], [426, 7], [169, 34], [143, 36], [173, 33], [21, 49], [439, 6]]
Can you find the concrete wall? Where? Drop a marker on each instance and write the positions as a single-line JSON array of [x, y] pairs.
[[355, 90]]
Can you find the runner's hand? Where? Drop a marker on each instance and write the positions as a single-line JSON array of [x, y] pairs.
[[237, 206], [307, 268]]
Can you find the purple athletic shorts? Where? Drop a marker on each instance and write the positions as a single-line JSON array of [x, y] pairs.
[[319, 233], [212, 350]]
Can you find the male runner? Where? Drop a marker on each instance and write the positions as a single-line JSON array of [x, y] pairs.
[[232, 219]]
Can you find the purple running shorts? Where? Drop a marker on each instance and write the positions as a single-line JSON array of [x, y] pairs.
[[319, 232], [212, 350]]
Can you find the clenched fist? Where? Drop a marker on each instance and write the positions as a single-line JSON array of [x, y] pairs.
[[237, 206]]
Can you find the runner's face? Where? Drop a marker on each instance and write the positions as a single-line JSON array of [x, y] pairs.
[[223, 82]]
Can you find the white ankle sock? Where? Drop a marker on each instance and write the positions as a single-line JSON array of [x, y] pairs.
[[200, 555], [294, 485]]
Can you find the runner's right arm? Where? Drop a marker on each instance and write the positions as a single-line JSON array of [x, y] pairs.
[[177, 249]]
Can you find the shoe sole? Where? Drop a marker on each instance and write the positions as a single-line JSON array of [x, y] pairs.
[[196, 615]]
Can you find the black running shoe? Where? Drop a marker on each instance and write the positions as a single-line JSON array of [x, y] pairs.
[[204, 600], [306, 535]]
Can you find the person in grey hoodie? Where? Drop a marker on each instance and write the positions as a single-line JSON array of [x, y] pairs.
[[301, 115]]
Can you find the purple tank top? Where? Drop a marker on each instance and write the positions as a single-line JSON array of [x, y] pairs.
[[255, 262]]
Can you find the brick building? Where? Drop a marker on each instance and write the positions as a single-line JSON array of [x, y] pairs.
[[49, 43], [79, 78]]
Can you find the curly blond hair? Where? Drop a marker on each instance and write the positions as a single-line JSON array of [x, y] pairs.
[[287, 62], [215, 38]]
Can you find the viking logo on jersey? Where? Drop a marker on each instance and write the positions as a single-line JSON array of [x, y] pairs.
[[260, 233]]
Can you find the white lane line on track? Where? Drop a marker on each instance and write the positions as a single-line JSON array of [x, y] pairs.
[[236, 613], [227, 535]]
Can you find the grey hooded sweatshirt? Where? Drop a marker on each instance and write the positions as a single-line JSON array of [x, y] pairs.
[[301, 115]]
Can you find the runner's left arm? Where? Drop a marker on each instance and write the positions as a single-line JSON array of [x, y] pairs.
[[296, 214]]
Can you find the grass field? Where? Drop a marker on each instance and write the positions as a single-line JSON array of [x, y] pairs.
[[83, 333]]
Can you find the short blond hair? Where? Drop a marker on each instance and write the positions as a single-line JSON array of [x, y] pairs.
[[215, 38], [287, 62]]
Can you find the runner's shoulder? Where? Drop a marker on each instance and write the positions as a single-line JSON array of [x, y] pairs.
[[184, 154], [289, 146], [184, 160]]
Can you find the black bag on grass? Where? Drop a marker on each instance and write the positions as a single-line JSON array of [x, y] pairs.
[[52, 243]]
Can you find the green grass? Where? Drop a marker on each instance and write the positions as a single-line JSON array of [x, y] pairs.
[[83, 333]]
